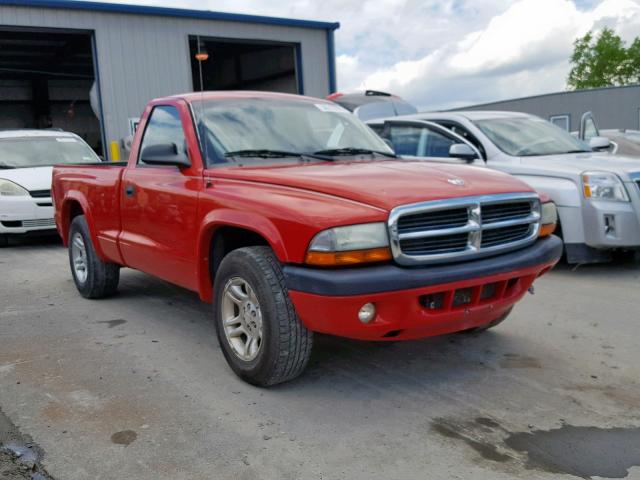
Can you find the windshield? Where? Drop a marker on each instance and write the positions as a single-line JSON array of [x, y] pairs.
[[44, 151], [530, 136], [273, 125]]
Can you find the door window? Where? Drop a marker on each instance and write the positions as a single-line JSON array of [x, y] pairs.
[[164, 127], [464, 133], [419, 141]]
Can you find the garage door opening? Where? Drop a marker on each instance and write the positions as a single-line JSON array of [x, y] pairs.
[[45, 82], [244, 65]]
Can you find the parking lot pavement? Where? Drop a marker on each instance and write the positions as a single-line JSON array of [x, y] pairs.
[[136, 387]]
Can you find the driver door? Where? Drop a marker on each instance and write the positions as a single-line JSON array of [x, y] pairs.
[[159, 204]]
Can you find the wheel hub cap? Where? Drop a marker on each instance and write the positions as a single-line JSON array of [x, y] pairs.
[[79, 257], [242, 319]]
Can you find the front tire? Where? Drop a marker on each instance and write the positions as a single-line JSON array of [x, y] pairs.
[[260, 334], [4, 241], [93, 277]]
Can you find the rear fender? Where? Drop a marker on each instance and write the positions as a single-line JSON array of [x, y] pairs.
[[65, 220], [232, 218]]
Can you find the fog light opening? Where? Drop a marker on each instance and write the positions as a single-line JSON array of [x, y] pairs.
[[609, 225], [367, 312]]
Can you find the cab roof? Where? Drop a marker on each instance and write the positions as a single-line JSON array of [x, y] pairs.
[[230, 94]]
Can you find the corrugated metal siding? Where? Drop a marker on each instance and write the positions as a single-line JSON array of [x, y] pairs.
[[143, 57], [611, 107]]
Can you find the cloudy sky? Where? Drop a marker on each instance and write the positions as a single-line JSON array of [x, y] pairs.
[[446, 53]]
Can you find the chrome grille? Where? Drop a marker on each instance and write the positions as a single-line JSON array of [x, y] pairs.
[[463, 228], [498, 236], [41, 222], [456, 217]]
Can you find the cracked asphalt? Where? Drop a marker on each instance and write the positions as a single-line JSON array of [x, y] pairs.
[[135, 387]]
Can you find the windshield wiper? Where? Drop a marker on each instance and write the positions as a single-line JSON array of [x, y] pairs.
[[6, 167], [336, 152], [266, 153]]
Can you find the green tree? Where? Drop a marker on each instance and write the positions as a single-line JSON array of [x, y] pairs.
[[604, 61]]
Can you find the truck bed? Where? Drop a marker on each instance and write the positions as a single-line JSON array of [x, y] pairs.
[[97, 184]]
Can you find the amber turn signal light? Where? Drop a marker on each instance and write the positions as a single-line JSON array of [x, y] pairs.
[[353, 257], [548, 229]]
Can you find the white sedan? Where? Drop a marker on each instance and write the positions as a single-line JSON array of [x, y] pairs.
[[26, 161]]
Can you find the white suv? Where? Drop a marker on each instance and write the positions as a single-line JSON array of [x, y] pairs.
[[26, 161]]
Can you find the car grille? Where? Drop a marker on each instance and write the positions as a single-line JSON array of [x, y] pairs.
[[40, 222], [463, 228]]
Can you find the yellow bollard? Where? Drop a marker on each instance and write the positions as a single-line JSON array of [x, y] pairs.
[[115, 151]]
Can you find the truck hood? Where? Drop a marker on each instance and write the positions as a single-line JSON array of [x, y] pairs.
[[575, 164], [382, 184], [34, 178]]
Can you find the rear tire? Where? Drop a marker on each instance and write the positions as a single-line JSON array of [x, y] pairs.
[[260, 334], [93, 277]]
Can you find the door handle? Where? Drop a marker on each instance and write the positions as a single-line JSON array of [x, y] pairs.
[[130, 190]]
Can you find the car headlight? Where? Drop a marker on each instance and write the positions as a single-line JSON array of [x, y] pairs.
[[10, 189], [603, 186], [350, 245], [548, 219]]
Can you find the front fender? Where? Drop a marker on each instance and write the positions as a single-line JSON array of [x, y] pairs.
[[568, 198], [239, 219], [562, 191]]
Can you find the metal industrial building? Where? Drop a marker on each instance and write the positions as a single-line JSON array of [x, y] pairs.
[[91, 67], [612, 107]]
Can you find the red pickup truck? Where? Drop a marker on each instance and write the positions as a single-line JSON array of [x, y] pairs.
[[292, 217]]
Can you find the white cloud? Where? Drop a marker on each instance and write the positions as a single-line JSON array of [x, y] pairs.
[[444, 53], [522, 51]]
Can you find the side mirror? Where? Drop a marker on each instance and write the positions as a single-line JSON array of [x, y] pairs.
[[463, 151], [599, 143], [164, 154]]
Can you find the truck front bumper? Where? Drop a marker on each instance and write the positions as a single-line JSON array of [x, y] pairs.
[[417, 302]]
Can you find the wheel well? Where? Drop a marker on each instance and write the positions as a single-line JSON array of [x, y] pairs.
[[227, 239], [73, 209]]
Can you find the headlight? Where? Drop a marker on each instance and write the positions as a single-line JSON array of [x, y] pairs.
[[603, 186], [548, 219], [10, 189], [350, 245]]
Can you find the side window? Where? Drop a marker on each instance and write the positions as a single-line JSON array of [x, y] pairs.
[[405, 139], [419, 141], [164, 127], [436, 144], [590, 129]]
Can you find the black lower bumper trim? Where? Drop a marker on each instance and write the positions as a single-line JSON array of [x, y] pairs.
[[388, 278]]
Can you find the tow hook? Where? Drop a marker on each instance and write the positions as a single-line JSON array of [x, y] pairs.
[[532, 290]]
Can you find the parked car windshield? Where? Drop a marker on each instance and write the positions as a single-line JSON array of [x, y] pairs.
[[24, 152], [529, 136], [272, 127]]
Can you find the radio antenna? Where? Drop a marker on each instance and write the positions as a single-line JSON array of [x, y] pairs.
[[202, 56]]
